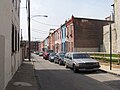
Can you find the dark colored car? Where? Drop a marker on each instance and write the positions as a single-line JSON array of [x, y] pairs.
[[46, 54], [59, 58], [52, 56]]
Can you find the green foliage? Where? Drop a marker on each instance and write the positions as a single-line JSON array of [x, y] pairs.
[[105, 57]]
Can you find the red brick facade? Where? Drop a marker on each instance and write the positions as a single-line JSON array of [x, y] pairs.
[[83, 33]]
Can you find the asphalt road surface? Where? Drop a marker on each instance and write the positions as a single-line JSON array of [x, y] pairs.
[[51, 76]]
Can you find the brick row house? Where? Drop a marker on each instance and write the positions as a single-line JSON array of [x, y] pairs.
[[35, 45], [78, 34]]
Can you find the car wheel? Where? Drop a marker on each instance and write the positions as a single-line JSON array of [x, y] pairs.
[[59, 63], [54, 61], [66, 65], [75, 69]]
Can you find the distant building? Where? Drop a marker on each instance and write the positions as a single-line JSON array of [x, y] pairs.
[[52, 39], [58, 40], [77, 34], [46, 43], [41, 46], [35, 45], [85, 34]]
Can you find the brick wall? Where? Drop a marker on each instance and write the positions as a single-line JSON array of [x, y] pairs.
[[88, 33]]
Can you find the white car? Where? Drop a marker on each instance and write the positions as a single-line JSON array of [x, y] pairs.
[[81, 61]]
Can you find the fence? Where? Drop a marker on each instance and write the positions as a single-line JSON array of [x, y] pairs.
[[105, 56]]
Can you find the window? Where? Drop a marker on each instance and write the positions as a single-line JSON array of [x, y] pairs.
[[62, 33], [62, 47], [65, 46], [71, 29], [19, 11], [18, 41], [65, 32], [16, 5], [13, 31], [72, 46], [15, 39], [13, 2]]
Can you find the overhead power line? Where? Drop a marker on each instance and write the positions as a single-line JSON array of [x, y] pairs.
[[39, 30], [45, 23], [37, 38]]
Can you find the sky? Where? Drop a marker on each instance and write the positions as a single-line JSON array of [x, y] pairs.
[[58, 11]]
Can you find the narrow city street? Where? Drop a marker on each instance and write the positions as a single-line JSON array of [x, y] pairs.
[[51, 76]]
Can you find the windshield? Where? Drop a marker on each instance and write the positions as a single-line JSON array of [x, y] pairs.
[[62, 55], [52, 54], [77, 56]]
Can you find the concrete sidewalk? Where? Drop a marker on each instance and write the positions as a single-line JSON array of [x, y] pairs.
[[24, 79], [106, 68]]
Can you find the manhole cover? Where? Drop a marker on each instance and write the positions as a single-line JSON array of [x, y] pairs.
[[22, 84]]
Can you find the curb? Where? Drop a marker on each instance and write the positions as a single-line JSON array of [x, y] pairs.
[[109, 72]]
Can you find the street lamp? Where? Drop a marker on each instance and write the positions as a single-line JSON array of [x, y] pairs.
[[29, 39], [29, 35], [38, 16], [29, 18]]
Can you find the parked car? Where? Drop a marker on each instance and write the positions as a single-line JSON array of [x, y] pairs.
[[36, 52], [52, 56], [81, 61], [46, 54], [59, 58], [40, 53]]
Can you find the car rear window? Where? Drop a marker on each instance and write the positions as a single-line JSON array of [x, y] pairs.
[[77, 56], [49, 51]]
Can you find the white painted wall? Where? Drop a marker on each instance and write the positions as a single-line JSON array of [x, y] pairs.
[[106, 38], [117, 22], [115, 31], [2, 59], [7, 16]]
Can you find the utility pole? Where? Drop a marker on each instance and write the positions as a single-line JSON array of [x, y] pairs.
[[29, 40], [21, 36], [110, 47]]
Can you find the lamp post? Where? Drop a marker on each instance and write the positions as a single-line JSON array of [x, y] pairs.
[[29, 49], [110, 47]]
